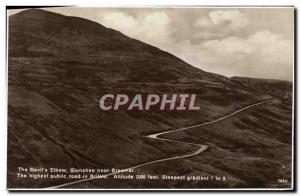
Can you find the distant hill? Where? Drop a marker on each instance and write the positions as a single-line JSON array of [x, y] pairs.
[[277, 88]]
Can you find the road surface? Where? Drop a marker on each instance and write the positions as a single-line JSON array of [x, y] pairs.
[[157, 136]]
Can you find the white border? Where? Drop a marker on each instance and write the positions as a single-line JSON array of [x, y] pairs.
[[107, 3]]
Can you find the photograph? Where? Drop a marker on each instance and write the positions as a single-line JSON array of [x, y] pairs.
[[154, 98]]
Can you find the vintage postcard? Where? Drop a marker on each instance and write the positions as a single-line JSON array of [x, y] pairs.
[[150, 98]]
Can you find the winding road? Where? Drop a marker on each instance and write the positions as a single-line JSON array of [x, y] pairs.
[[157, 136]]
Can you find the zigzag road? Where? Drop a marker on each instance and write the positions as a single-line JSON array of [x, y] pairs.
[[202, 147]]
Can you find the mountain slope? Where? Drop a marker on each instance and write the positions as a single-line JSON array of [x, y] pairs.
[[60, 66], [276, 88]]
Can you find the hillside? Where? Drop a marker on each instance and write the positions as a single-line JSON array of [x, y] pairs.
[[276, 88]]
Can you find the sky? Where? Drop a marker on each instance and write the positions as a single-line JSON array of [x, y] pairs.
[[249, 42]]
